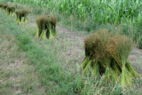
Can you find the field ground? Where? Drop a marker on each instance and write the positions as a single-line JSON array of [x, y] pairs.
[[73, 42], [18, 75]]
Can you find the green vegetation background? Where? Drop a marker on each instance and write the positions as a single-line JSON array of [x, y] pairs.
[[89, 15]]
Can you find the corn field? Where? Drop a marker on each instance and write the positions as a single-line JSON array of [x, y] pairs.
[[99, 11]]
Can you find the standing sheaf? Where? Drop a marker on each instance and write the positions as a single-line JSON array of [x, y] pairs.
[[46, 23], [21, 14], [4, 6], [11, 9]]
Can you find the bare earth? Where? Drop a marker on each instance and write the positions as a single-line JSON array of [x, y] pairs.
[[136, 59]]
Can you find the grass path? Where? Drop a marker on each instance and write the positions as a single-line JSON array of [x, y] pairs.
[[17, 76]]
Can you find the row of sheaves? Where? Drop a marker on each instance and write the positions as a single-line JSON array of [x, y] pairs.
[[44, 22]]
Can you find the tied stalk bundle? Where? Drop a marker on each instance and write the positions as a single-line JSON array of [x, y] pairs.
[[106, 54], [46, 27]]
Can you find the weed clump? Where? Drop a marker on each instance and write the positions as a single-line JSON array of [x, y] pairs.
[[106, 54]]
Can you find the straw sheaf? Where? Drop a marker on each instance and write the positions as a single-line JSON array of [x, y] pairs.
[[45, 19], [95, 44], [119, 47]]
